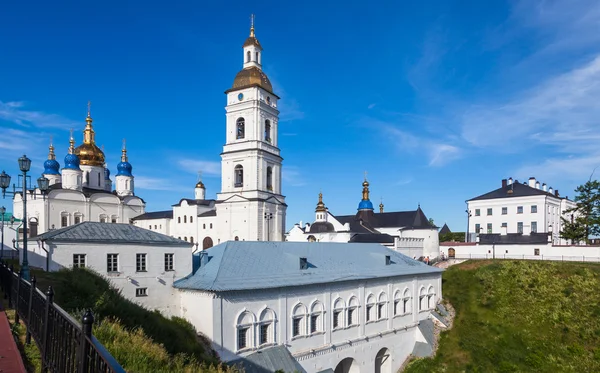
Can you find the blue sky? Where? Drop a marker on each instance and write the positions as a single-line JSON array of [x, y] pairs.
[[436, 101]]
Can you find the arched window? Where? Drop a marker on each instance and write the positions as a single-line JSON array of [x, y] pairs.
[[430, 298], [248, 56], [192, 239], [299, 320], [240, 129], [179, 219], [210, 226], [244, 331], [257, 58], [203, 226], [78, 217], [316, 317], [311, 238], [397, 303], [185, 218], [191, 219], [266, 327], [103, 218], [406, 302], [269, 178], [422, 299], [185, 238], [239, 176], [207, 243], [268, 130], [382, 306], [338, 313], [352, 311], [370, 309]]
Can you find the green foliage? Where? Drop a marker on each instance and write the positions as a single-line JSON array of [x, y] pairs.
[[453, 237], [518, 316], [586, 215]]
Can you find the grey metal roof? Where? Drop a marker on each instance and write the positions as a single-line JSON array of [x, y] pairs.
[[245, 265], [110, 233], [168, 214], [515, 189], [423, 349], [196, 202], [269, 360], [368, 221], [445, 229]]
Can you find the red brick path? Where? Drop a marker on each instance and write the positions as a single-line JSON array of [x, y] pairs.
[[10, 358]]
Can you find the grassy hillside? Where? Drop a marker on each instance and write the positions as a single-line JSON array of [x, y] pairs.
[[520, 316]]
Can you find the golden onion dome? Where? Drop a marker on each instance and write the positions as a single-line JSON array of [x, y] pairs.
[[89, 153], [251, 77], [200, 184]]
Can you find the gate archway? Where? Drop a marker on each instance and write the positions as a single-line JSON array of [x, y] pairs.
[[207, 243], [348, 365]]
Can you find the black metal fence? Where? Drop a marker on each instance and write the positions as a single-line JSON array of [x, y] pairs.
[[65, 345]]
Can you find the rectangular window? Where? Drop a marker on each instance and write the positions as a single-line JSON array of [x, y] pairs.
[[114, 220], [477, 212], [336, 319], [141, 292], [380, 309], [534, 227], [520, 227], [78, 260], [296, 326], [351, 320], [169, 262], [489, 228], [369, 308], [504, 225], [77, 219], [504, 210], [112, 263], [264, 333], [63, 221], [314, 323], [536, 251], [489, 212], [477, 228], [519, 209], [140, 262], [242, 338], [533, 209]]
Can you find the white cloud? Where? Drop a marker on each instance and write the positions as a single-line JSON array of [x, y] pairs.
[[291, 176], [153, 183], [15, 112], [371, 106], [208, 168]]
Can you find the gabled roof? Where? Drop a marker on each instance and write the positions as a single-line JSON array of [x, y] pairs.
[[367, 222], [245, 265], [268, 361], [445, 229], [110, 233], [167, 214], [515, 189]]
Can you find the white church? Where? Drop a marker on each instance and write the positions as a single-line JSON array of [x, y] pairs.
[[250, 206], [82, 191]]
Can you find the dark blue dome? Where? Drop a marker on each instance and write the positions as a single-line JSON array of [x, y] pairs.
[[51, 167], [106, 174], [71, 162], [124, 169], [365, 204]]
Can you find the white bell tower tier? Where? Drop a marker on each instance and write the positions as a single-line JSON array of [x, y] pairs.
[[124, 177], [250, 206]]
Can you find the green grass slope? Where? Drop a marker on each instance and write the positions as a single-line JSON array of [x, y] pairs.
[[520, 316]]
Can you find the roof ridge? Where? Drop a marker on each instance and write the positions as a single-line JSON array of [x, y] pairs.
[[62, 230]]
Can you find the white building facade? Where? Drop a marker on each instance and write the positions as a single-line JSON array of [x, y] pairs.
[[143, 265], [82, 190], [348, 307], [250, 205], [519, 208]]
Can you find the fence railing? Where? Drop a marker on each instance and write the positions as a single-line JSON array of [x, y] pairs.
[[10, 254], [65, 345], [557, 258]]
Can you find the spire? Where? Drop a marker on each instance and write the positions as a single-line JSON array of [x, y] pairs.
[[199, 184], [365, 191], [71, 143], [252, 25], [51, 154], [381, 207], [88, 132], [124, 152], [320, 204]]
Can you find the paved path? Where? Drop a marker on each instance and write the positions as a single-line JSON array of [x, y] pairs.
[[10, 357]]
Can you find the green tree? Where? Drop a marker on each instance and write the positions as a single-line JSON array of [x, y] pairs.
[[583, 220], [431, 222]]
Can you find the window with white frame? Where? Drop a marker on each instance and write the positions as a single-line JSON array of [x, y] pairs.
[[141, 292], [534, 227], [78, 218], [533, 209], [113, 219], [382, 306], [397, 303], [422, 299], [431, 298], [406, 302], [370, 308], [103, 218], [78, 260], [338, 313], [477, 212], [266, 327], [112, 263], [316, 317], [519, 209], [140, 262], [244, 329], [64, 219], [299, 320], [169, 261], [353, 311], [504, 210]]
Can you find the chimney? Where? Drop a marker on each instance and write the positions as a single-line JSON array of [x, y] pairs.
[[388, 260], [510, 180], [550, 190], [303, 263], [503, 231], [556, 193], [537, 185], [203, 259], [532, 182], [504, 183], [545, 187]]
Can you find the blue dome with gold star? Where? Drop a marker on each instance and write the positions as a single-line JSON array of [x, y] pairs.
[[71, 162], [51, 167], [124, 168]]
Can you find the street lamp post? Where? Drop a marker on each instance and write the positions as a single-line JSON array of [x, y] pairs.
[[268, 217], [2, 212], [468, 221], [43, 185]]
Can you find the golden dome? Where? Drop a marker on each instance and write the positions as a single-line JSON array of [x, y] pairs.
[[320, 204], [200, 184], [89, 153], [250, 77]]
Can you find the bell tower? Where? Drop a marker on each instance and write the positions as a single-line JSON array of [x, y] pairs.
[[250, 206]]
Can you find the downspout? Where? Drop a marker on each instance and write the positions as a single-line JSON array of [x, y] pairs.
[[47, 254]]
